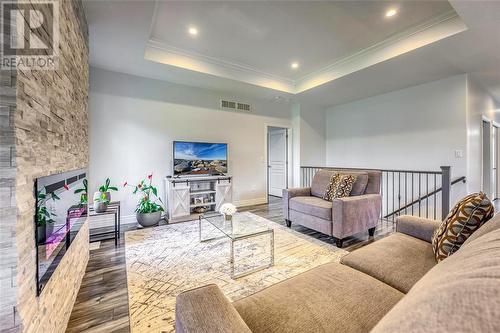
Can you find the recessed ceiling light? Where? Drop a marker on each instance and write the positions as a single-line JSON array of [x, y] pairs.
[[294, 65], [193, 31], [391, 12]]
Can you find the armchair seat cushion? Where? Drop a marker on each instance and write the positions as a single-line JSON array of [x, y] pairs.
[[398, 260], [328, 298], [312, 206]]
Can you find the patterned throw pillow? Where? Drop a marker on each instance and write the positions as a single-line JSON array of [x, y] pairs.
[[340, 186], [466, 217]]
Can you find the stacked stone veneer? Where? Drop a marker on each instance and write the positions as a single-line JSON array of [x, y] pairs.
[[49, 132], [8, 251]]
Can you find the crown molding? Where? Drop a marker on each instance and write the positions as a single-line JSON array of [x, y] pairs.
[[158, 51], [438, 28]]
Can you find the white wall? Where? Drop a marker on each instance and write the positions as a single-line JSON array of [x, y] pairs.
[[312, 135], [479, 104], [417, 128], [134, 120]]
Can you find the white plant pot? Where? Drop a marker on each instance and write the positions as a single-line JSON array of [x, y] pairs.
[[97, 195]]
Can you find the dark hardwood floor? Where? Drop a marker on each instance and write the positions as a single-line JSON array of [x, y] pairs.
[[102, 302]]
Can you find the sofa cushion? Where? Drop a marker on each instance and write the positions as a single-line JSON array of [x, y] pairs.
[[460, 294], [320, 181], [312, 206], [466, 217], [359, 186], [340, 186], [492, 224], [328, 298], [398, 260]]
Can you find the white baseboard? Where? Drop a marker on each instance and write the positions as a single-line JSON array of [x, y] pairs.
[[250, 202]]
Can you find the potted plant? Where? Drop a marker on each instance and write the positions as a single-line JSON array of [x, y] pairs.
[[44, 217], [101, 203], [106, 188], [83, 193], [150, 206]]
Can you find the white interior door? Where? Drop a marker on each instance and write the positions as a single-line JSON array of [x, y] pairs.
[[277, 156]]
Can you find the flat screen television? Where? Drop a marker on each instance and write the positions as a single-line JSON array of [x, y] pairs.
[[199, 158], [61, 210]]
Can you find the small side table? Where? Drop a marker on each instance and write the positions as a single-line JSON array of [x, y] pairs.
[[113, 209]]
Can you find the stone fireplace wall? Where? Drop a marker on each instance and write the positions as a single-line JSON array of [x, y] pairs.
[[50, 135]]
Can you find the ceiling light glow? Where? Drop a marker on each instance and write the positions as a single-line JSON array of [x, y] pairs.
[[193, 31], [294, 65], [391, 12]]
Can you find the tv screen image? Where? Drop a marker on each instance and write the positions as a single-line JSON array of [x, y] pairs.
[[199, 158]]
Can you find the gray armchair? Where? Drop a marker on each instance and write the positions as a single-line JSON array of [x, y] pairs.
[[339, 218]]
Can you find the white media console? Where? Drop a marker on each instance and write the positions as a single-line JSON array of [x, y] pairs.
[[188, 197]]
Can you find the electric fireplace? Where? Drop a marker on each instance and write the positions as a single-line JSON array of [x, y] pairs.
[[61, 210]]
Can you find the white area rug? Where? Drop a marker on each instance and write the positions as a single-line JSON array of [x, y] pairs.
[[164, 261]]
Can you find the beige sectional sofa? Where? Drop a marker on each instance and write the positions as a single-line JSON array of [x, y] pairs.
[[391, 285]]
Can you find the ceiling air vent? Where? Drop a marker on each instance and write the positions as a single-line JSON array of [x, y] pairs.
[[234, 105], [243, 107], [228, 105]]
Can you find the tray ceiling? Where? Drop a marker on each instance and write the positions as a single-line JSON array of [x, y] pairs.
[[256, 42]]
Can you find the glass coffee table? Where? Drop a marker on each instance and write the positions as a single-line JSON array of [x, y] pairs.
[[241, 227]]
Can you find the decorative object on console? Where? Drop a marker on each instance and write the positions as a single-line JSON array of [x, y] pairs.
[[106, 189], [101, 202], [467, 216], [149, 208], [228, 210]]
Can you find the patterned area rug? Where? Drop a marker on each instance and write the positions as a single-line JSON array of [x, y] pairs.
[[164, 261]]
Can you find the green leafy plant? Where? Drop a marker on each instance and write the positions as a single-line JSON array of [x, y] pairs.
[[107, 187], [43, 215], [102, 198], [84, 192], [149, 201]]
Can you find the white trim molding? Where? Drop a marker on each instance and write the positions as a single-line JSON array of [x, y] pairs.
[[436, 29]]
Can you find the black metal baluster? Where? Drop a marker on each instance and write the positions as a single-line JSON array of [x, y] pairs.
[[406, 198], [399, 190], [393, 199], [427, 197], [419, 194], [387, 196], [381, 195], [412, 191], [435, 195]]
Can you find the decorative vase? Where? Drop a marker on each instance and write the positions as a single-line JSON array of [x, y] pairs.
[[148, 219], [44, 232], [100, 207]]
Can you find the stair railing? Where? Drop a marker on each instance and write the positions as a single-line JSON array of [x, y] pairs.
[[409, 192]]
